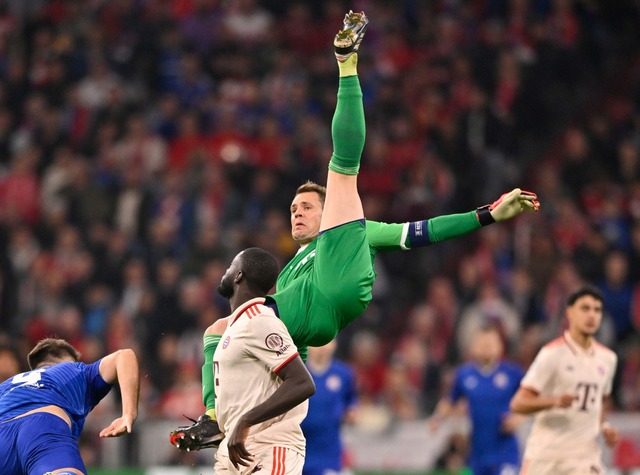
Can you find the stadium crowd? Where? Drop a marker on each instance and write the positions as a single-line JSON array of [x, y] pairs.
[[143, 143]]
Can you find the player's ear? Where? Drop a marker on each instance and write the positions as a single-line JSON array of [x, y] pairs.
[[238, 277]]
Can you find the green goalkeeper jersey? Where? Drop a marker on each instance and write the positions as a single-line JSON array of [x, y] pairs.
[[388, 237], [315, 325]]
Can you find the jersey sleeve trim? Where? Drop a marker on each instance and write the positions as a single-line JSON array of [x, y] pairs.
[[403, 237], [285, 362]]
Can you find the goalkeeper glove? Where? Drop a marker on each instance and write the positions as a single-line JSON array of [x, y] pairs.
[[508, 206]]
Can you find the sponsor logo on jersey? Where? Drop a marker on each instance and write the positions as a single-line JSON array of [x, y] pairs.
[[500, 380], [226, 341], [334, 383], [470, 382], [275, 342], [418, 231]]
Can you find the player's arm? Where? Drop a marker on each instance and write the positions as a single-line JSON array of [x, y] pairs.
[[443, 410], [528, 401], [511, 421], [395, 236], [122, 367], [212, 337], [297, 386], [535, 391], [448, 405], [609, 433], [204, 433], [350, 398]]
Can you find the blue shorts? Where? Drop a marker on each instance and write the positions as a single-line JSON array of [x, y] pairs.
[[37, 444], [494, 469]]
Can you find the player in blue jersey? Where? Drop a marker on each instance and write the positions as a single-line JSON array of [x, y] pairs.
[[42, 411], [487, 384], [329, 407]]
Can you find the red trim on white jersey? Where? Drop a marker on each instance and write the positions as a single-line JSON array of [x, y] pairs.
[[285, 362], [558, 341], [575, 348], [244, 308], [279, 466], [252, 311]]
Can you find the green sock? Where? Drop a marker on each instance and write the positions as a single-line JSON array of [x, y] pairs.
[[348, 128]]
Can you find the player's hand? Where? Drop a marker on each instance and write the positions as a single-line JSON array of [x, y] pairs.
[[510, 423], [122, 425], [564, 401], [610, 435], [434, 423], [511, 204], [238, 453]]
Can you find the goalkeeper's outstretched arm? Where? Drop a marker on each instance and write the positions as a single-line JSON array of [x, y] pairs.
[[387, 237]]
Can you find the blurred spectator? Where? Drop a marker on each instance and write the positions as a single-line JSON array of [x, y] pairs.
[[10, 363], [366, 358], [490, 308], [620, 294]]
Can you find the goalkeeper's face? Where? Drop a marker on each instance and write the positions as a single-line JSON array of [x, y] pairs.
[[306, 214]]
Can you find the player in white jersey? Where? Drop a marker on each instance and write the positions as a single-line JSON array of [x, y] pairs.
[[262, 385], [566, 387]]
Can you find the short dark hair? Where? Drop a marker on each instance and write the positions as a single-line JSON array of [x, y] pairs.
[[585, 290], [51, 350], [260, 269], [311, 187]]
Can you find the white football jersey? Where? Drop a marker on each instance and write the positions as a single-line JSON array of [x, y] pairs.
[[564, 367], [254, 347]]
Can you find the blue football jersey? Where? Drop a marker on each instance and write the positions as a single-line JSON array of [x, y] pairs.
[[335, 394], [488, 396], [75, 387]]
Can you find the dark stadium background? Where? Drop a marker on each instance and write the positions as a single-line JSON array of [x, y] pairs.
[[144, 142]]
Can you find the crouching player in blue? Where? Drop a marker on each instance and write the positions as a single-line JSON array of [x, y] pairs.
[[42, 411]]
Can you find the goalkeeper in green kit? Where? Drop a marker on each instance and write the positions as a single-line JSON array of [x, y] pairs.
[[328, 283]]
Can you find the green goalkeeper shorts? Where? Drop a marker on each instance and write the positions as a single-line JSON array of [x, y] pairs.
[[317, 305]]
